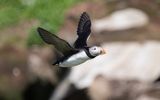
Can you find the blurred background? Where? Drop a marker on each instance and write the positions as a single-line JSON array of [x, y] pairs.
[[129, 30]]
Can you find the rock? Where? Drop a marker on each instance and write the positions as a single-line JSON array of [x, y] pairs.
[[67, 91], [38, 90], [39, 66], [121, 20], [123, 60], [115, 89]]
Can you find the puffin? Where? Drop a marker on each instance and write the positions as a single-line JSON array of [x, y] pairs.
[[79, 52]]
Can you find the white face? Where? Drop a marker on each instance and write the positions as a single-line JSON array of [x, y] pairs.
[[95, 51]]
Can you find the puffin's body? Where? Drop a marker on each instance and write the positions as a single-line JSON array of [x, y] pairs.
[[78, 54], [75, 59]]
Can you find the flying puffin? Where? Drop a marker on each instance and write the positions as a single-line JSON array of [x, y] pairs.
[[80, 52]]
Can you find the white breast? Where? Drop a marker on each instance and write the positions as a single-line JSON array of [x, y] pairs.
[[75, 59]]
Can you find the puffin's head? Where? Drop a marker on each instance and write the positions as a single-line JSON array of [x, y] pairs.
[[95, 51]]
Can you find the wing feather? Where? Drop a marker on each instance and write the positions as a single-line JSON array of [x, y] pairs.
[[60, 44], [83, 31]]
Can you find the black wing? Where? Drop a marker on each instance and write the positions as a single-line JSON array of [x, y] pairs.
[[83, 31], [60, 44]]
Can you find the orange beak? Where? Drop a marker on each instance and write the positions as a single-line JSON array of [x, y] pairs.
[[103, 51]]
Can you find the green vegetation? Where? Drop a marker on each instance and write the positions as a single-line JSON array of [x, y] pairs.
[[34, 38], [9, 12], [50, 14]]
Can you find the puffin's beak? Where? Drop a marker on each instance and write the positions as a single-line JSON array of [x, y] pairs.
[[103, 51]]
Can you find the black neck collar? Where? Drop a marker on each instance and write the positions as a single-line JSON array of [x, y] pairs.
[[86, 49]]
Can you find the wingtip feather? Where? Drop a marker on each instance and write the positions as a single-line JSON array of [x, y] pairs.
[[39, 29]]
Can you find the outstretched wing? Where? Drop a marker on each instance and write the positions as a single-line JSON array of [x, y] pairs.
[[83, 31], [60, 44]]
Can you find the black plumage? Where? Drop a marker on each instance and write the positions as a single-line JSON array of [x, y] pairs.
[[83, 31], [61, 45]]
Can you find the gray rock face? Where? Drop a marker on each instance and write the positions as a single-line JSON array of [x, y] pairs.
[[121, 20], [130, 60], [115, 89]]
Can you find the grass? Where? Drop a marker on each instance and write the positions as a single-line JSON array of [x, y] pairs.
[[9, 12], [50, 14]]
